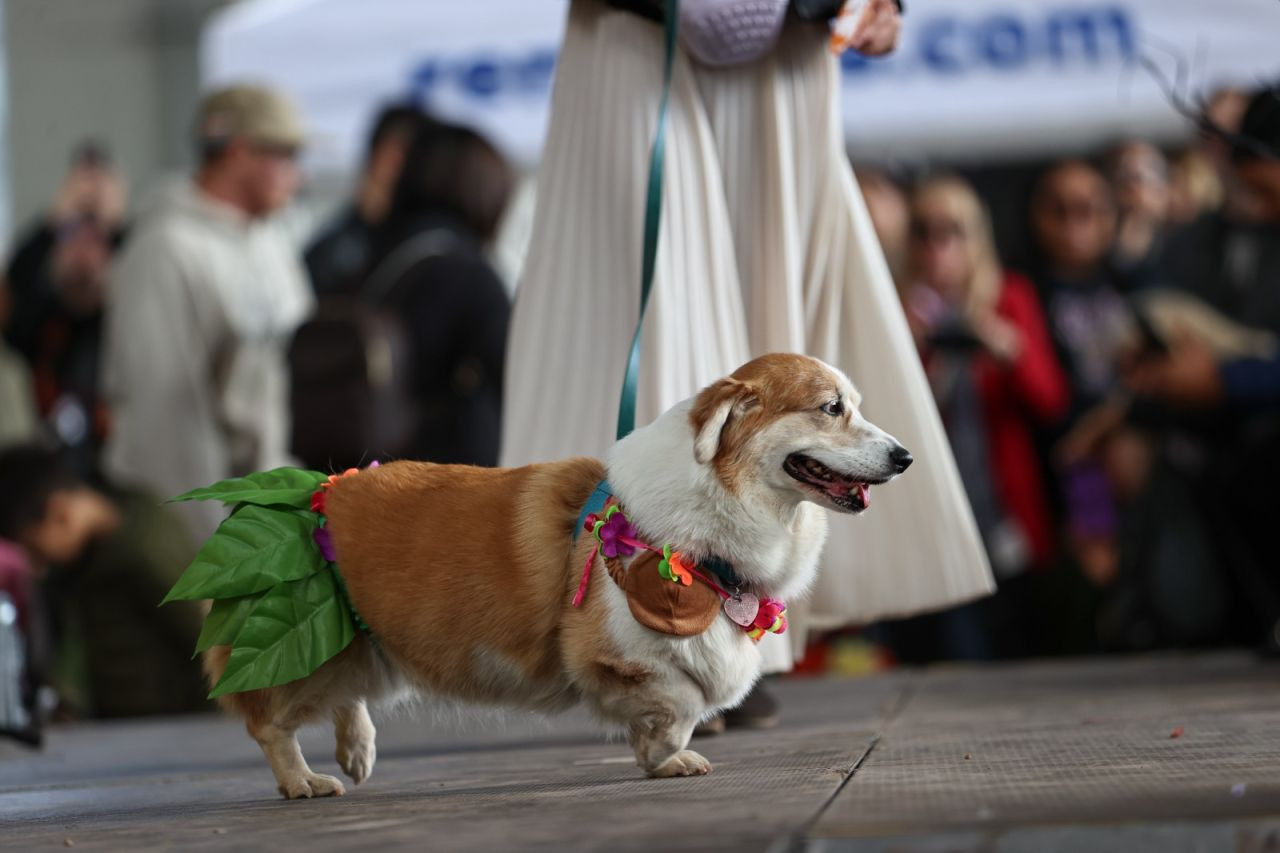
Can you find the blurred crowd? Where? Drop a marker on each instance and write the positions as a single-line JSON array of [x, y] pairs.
[[1109, 382], [1109, 392]]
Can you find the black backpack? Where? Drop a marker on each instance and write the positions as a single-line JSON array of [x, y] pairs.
[[350, 368]]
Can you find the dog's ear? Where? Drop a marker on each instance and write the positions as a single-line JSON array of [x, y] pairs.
[[712, 411]]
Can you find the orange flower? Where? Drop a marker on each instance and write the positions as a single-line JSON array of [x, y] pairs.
[[680, 568]]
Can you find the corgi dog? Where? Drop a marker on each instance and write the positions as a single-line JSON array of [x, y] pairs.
[[638, 585]]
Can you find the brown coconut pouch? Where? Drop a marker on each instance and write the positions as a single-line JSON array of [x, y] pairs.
[[668, 607]]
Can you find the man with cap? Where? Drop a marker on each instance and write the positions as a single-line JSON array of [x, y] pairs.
[[202, 304]]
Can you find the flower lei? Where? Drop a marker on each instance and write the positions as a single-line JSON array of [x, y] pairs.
[[324, 539], [615, 537]]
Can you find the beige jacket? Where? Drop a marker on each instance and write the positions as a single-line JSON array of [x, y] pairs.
[[202, 304]]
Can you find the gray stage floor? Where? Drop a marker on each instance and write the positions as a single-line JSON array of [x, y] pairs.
[[1030, 757]]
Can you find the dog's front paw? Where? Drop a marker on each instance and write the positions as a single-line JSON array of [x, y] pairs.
[[311, 785], [686, 762], [356, 758]]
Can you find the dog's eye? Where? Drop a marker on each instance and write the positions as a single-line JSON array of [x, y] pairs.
[[835, 408]]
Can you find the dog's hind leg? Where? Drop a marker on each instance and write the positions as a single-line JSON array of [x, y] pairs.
[[355, 734], [272, 717], [294, 778]]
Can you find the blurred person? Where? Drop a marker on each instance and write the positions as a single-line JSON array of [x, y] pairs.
[[58, 277], [765, 246], [1198, 553], [1073, 219], [451, 194], [99, 562], [431, 302], [1230, 258], [996, 378], [890, 216], [18, 422], [19, 714], [1139, 175], [1194, 187], [1221, 117], [983, 329], [203, 301], [338, 258], [1191, 375]]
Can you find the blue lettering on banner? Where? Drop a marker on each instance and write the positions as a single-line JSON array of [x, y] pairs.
[[1060, 36], [483, 77], [945, 45]]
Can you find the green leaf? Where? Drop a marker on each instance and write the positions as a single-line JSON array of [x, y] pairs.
[[224, 622], [254, 549], [293, 629], [284, 486]]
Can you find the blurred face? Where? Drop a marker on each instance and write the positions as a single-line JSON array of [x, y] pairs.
[[1074, 219], [1141, 182], [1262, 179], [940, 249], [267, 175], [80, 264], [63, 533], [1225, 110]]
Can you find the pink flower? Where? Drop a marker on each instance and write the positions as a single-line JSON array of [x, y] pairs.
[[612, 534], [772, 615]]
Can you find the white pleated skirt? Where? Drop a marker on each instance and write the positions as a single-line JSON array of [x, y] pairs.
[[765, 246]]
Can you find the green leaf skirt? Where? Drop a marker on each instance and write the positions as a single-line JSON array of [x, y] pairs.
[[278, 600]]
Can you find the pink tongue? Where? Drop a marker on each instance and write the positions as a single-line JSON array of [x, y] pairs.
[[864, 494]]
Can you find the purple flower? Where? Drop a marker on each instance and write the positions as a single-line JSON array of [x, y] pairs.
[[325, 542], [613, 532]]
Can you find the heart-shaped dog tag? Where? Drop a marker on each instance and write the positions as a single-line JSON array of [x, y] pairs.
[[742, 608]]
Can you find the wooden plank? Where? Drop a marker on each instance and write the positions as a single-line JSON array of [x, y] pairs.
[[990, 751], [525, 784]]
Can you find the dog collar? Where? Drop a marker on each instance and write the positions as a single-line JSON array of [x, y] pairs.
[[616, 536]]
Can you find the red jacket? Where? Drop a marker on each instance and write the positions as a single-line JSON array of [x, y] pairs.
[[1015, 398]]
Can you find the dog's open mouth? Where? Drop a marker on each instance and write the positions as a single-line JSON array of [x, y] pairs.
[[849, 494]]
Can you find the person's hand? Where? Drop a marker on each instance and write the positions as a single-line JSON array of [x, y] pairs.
[[1188, 376], [1088, 433], [924, 309], [876, 33], [1001, 338]]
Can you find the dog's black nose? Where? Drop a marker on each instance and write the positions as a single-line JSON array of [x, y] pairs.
[[901, 458]]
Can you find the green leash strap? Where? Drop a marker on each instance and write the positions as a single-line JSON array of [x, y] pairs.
[[652, 219]]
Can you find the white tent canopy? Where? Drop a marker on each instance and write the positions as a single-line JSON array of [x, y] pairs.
[[1007, 77]]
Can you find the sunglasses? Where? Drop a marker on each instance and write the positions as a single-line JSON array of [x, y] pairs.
[[1075, 210], [941, 231], [277, 152]]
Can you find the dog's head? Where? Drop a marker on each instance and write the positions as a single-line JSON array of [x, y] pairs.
[[789, 425]]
